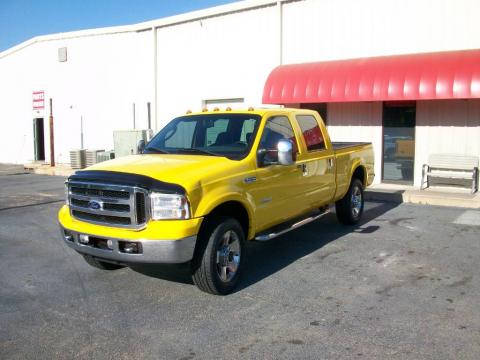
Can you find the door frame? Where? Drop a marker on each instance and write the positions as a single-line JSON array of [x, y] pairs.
[[39, 139], [391, 104]]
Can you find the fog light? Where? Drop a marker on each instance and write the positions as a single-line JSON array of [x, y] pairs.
[[83, 239], [67, 236], [130, 247], [110, 244]]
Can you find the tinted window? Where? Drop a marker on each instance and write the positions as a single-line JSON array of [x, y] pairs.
[[227, 135], [219, 126], [276, 128], [311, 132], [180, 137]]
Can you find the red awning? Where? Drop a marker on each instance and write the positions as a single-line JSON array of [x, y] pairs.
[[445, 75]]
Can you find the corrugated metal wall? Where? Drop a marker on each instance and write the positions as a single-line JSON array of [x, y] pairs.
[[446, 126], [358, 122], [316, 30]]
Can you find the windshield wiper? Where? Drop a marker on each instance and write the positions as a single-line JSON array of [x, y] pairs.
[[197, 151], [160, 151]]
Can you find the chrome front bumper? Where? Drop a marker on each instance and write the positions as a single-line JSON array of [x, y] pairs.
[[152, 251]]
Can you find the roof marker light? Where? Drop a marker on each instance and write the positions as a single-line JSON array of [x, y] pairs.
[[228, 108], [216, 109], [204, 109], [251, 108], [189, 111]]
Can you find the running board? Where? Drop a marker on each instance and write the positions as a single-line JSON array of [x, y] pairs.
[[281, 229]]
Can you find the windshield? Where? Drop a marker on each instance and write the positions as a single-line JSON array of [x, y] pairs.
[[228, 135]]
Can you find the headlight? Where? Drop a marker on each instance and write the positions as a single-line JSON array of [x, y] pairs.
[[169, 206]]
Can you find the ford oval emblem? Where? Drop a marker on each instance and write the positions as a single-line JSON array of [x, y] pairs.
[[94, 205]]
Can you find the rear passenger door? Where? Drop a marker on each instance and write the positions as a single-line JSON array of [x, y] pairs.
[[317, 161]]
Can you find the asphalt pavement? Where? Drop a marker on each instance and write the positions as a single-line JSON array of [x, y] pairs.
[[404, 284]]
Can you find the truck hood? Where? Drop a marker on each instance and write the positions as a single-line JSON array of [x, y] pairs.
[[184, 170]]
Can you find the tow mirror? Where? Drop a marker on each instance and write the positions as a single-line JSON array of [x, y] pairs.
[[285, 152], [140, 146]]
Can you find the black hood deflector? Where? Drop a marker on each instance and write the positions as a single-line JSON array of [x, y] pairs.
[[120, 178]]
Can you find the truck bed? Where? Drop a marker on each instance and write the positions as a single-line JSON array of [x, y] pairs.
[[348, 155], [344, 145]]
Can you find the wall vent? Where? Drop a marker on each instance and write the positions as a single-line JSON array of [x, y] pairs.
[[62, 54]]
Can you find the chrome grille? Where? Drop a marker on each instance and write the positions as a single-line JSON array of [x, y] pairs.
[[105, 204]]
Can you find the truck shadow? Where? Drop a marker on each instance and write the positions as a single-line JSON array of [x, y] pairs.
[[266, 258]]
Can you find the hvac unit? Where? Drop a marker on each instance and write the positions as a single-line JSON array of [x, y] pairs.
[[91, 157], [77, 159], [105, 156], [126, 141]]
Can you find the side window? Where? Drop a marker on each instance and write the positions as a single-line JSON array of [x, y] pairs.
[[247, 130], [311, 132], [181, 136], [276, 128], [219, 127]]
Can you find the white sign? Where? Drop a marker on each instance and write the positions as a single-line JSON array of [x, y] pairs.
[[38, 99]]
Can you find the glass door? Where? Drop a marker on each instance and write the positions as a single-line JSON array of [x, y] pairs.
[[398, 143]]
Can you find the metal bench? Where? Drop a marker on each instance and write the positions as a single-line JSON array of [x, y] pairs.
[[451, 166]]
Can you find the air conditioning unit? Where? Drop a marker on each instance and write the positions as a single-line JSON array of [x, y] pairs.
[[91, 157], [77, 159], [126, 141], [105, 156]]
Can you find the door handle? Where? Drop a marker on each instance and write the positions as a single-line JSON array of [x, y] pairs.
[[303, 167], [330, 163]]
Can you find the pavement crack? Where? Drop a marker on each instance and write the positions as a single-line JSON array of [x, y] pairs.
[[29, 205]]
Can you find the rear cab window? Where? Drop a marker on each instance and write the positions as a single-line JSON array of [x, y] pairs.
[[311, 132]]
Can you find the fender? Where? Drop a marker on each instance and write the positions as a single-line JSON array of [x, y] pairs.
[[220, 196]]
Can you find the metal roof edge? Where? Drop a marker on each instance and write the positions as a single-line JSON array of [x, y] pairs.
[[220, 10]]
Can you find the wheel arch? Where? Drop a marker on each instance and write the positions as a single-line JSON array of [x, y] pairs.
[[360, 173], [234, 209]]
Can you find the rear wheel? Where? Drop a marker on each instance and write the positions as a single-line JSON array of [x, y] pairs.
[[350, 208], [101, 264], [217, 263]]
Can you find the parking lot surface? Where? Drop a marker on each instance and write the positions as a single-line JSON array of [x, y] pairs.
[[404, 284]]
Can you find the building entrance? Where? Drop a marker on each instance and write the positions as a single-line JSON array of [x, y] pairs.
[[398, 143], [38, 139]]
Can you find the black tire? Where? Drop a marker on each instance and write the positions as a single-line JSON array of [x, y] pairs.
[[212, 271], [92, 261], [350, 208]]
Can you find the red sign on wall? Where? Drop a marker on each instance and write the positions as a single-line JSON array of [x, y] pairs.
[[38, 99]]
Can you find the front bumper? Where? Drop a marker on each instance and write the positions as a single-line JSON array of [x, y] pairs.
[[152, 251]]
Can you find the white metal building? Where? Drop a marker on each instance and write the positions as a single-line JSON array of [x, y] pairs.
[[224, 56]]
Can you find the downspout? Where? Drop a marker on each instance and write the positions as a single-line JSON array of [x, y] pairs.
[[155, 76], [280, 32]]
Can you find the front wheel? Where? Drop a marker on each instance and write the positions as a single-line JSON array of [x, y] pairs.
[[350, 208], [217, 263]]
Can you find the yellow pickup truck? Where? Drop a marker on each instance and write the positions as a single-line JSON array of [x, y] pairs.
[[207, 183]]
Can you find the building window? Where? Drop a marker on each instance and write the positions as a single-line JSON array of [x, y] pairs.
[[311, 132], [234, 103]]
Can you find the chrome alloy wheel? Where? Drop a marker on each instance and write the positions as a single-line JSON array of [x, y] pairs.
[[228, 256], [356, 201]]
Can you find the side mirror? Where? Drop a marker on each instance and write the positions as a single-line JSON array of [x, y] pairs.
[[140, 146], [285, 152]]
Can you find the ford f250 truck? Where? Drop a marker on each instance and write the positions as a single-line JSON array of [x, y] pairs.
[[207, 183]]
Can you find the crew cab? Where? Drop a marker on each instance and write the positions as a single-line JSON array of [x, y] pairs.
[[207, 183]]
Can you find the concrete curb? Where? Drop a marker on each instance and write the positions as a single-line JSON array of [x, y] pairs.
[[48, 170], [470, 201]]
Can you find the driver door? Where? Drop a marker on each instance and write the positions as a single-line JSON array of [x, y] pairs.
[[278, 189]]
